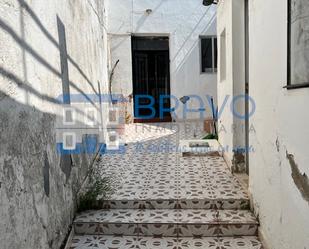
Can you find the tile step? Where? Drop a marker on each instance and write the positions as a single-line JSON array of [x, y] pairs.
[[228, 204], [106, 242], [167, 223]]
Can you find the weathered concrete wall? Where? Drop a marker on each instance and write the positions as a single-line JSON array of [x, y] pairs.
[[231, 33], [279, 167], [48, 48], [184, 22]]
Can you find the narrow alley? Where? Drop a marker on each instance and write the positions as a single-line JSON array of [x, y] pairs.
[[154, 124]]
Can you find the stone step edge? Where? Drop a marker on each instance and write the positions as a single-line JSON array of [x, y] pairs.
[[213, 213], [141, 239], [167, 223], [167, 231], [220, 204]]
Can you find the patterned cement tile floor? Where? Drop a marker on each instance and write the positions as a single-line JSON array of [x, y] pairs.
[[153, 169], [154, 186], [111, 242]]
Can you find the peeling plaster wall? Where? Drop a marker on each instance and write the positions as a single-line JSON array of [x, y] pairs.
[[47, 47], [183, 21], [279, 166]]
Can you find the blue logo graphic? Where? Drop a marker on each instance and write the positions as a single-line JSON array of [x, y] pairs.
[[148, 102], [94, 123], [89, 124]]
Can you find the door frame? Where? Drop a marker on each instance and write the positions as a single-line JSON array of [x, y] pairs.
[[149, 35]]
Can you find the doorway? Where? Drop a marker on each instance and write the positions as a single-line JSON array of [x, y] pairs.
[[151, 78]]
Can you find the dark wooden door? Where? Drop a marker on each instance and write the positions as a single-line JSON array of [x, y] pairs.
[[151, 76]]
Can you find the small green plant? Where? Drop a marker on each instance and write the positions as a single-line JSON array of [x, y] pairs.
[[98, 188], [211, 136]]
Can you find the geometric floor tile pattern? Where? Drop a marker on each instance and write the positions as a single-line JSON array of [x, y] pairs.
[[112, 242], [163, 200], [153, 174]]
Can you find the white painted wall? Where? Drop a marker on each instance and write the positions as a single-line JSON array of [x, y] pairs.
[[281, 122], [184, 22], [231, 128]]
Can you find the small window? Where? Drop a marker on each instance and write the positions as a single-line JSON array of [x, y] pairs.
[[298, 46], [209, 54]]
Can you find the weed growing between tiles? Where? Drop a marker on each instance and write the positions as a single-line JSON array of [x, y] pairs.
[[98, 188]]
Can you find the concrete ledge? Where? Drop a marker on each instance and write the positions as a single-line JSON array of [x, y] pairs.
[[200, 147]]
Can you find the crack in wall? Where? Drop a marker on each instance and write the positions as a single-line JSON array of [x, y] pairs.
[[301, 180]]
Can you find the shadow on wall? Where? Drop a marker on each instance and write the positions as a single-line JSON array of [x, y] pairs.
[[196, 43], [39, 186], [24, 84], [64, 59], [64, 62], [142, 20], [29, 50], [189, 50], [26, 7], [140, 23]]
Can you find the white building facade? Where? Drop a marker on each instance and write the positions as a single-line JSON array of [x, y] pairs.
[[183, 23]]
